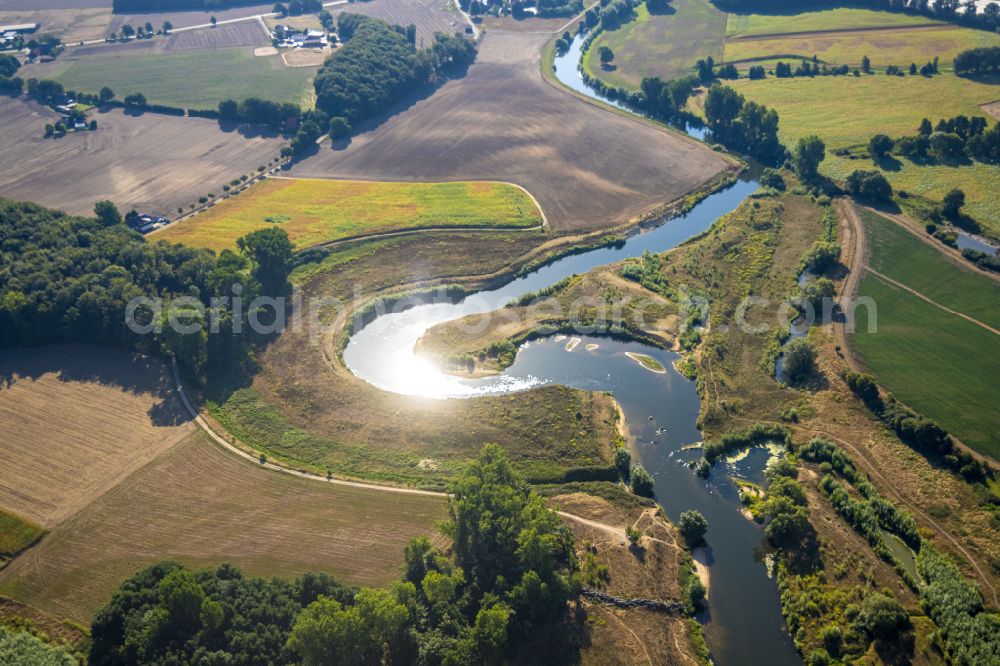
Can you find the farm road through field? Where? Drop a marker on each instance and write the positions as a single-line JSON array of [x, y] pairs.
[[588, 168]]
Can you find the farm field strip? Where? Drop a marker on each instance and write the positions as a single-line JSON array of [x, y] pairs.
[[150, 162], [315, 211], [189, 78], [588, 168], [936, 361], [841, 18], [898, 255], [73, 428], [188, 500]]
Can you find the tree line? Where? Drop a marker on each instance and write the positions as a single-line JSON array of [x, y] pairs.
[[984, 60], [70, 279], [743, 125], [504, 584]]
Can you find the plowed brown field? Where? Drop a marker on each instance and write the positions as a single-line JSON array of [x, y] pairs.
[[151, 162], [587, 167]]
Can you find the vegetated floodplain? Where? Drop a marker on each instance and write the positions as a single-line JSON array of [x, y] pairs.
[[936, 362], [663, 44], [840, 110], [190, 79], [841, 18], [883, 47], [314, 211]]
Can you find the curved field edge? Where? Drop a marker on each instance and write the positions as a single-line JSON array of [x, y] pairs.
[[318, 211]]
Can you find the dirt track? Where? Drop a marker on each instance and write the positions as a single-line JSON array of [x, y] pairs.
[[588, 168]]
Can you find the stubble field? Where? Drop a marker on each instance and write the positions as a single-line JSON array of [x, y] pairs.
[[75, 421], [588, 168], [86, 420], [151, 162]]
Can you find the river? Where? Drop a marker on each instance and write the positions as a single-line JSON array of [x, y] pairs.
[[743, 623]]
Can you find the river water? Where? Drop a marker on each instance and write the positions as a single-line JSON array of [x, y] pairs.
[[743, 623]]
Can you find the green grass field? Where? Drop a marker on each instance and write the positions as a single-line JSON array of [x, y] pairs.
[[314, 211], [939, 364], [16, 534], [842, 18], [841, 111], [191, 79], [665, 45], [883, 47]]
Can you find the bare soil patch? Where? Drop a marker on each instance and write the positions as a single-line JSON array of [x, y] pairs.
[[151, 162], [305, 57], [632, 636], [993, 109], [587, 167], [75, 421], [200, 506], [511, 24]]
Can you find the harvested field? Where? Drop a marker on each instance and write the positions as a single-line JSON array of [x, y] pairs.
[[201, 506], [527, 24], [184, 19], [430, 16], [151, 162], [587, 167], [75, 421], [304, 22], [55, 4], [71, 25], [100, 449], [841, 18], [317, 211]]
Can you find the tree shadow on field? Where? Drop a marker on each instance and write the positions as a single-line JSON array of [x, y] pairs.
[[888, 163], [132, 373], [660, 10], [404, 105], [560, 643]]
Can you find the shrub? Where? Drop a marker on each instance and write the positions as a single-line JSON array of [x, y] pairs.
[[799, 360], [642, 481], [869, 185], [692, 526]]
